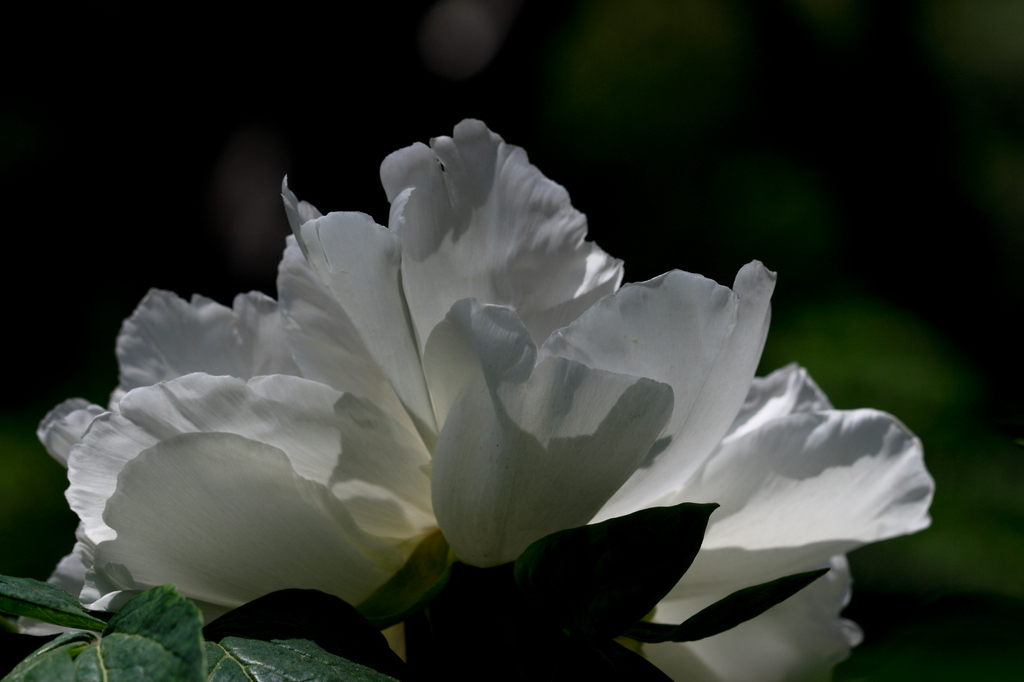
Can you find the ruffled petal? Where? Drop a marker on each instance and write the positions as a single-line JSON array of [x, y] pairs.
[[324, 341], [337, 441], [70, 572], [527, 451], [227, 519], [358, 262], [477, 220], [167, 337], [93, 468], [785, 391], [382, 473], [702, 339], [63, 427], [475, 340], [298, 212], [801, 489], [799, 640]]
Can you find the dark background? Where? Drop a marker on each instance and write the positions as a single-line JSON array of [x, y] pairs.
[[870, 152]]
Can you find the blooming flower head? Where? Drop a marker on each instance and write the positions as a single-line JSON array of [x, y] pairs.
[[475, 367]]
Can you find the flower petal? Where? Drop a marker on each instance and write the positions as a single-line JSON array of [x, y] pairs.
[[800, 639], [227, 519], [801, 489], [381, 475], [472, 341], [478, 221], [167, 337], [785, 391], [325, 342], [329, 438], [358, 261], [527, 451], [298, 212], [63, 427], [93, 467], [702, 339]]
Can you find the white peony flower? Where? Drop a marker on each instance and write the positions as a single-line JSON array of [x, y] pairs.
[[475, 367]]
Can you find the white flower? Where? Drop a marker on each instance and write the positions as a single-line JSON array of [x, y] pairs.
[[475, 367]]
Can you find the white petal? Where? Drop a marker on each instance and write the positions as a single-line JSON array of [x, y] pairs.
[[328, 438], [478, 221], [799, 640], [93, 467], [381, 473], [702, 339], [227, 519], [801, 489], [783, 392], [298, 212], [70, 572], [167, 337], [527, 451], [63, 427], [325, 342], [358, 261], [340, 441], [474, 340]]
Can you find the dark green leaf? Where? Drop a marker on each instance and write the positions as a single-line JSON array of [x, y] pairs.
[[56, 667], [610, 661], [413, 587], [594, 660], [330, 623], [46, 603], [237, 659], [53, 660], [481, 627], [157, 636], [600, 579], [727, 613]]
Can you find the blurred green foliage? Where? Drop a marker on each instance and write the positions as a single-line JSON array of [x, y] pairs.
[[36, 526]]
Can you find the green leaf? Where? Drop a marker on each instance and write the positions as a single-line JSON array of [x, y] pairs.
[[238, 659], [413, 587], [157, 636], [324, 620], [53, 660], [727, 613], [56, 667], [481, 627], [609, 660], [46, 603], [600, 579]]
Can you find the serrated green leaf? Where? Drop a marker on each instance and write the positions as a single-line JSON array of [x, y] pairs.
[[53, 660], [55, 667], [238, 659], [727, 613], [157, 636], [325, 620], [600, 579], [46, 603], [415, 585]]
